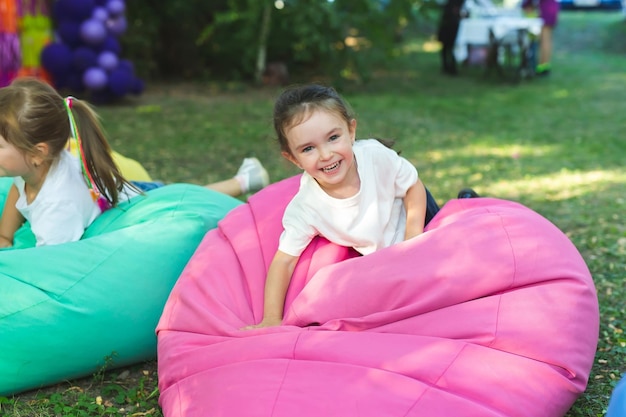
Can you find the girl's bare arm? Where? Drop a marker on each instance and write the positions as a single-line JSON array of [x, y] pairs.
[[276, 285], [11, 219], [415, 205]]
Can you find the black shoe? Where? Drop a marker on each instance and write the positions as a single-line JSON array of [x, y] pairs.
[[467, 193]]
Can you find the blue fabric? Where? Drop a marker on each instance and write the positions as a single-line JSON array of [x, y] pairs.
[[147, 185], [617, 405]]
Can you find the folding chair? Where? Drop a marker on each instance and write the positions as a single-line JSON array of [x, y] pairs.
[[512, 54]]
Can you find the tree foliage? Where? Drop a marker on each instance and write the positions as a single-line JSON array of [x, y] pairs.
[[226, 38]]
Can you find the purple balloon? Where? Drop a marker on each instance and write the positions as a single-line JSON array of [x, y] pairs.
[[100, 13], [118, 25], [76, 10], [127, 66], [56, 58], [69, 32], [74, 82], [116, 7], [95, 78], [120, 81], [93, 32], [107, 60], [111, 44], [84, 58]]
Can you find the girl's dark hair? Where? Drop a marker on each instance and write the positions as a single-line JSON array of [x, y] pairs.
[[33, 112], [298, 102]]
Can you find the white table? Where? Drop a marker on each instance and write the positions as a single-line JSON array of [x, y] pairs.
[[476, 31], [504, 40]]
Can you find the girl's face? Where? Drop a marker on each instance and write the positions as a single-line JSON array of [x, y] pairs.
[[322, 146], [13, 162]]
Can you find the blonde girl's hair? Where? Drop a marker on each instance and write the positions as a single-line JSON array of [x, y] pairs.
[[32, 112], [298, 102]]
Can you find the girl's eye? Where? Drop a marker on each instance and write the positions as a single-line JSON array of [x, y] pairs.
[[333, 138], [307, 149]]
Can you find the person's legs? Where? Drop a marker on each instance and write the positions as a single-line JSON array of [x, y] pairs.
[[549, 12], [229, 187], [545, 47], [447, 36], [449, 59], [250, 177], [444, 61]]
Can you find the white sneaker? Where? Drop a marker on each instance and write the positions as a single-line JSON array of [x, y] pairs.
[[254, 176]]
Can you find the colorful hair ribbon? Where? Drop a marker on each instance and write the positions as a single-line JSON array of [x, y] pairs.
[[103, 203]]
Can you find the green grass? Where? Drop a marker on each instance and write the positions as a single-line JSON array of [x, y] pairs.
[[555, 144]]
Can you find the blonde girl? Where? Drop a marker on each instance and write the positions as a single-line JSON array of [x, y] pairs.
[[59, 194]]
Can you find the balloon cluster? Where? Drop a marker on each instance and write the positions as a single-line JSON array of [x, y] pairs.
[[86, 54]]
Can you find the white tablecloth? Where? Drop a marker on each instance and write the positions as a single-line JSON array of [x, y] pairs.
[[475, 30]]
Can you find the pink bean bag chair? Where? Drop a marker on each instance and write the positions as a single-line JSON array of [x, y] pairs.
[[491, 312]]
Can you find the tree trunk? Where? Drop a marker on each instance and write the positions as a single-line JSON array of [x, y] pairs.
[[263, 35]]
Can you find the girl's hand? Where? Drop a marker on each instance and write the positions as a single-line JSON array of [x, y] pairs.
[[267, 322], [5, 243]]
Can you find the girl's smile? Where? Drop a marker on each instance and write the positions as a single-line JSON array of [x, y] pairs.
[[333, 168]]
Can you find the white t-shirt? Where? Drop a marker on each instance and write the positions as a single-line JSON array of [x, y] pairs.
[[63, 208], [372, 219]]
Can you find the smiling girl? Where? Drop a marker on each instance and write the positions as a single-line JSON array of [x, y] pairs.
[[355, 193]]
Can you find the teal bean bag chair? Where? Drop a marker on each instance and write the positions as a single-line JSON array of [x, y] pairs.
[[68, 309]]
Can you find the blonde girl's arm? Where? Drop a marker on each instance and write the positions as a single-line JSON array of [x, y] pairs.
[[276, 285], [415, 206], [11, 219]]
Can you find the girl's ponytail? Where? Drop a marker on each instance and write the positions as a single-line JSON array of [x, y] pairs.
[[101, 174]]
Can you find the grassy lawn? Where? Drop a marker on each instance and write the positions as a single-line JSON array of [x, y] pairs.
[[555, 144]]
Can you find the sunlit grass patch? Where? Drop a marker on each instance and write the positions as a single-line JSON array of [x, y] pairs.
[[562, 185]]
